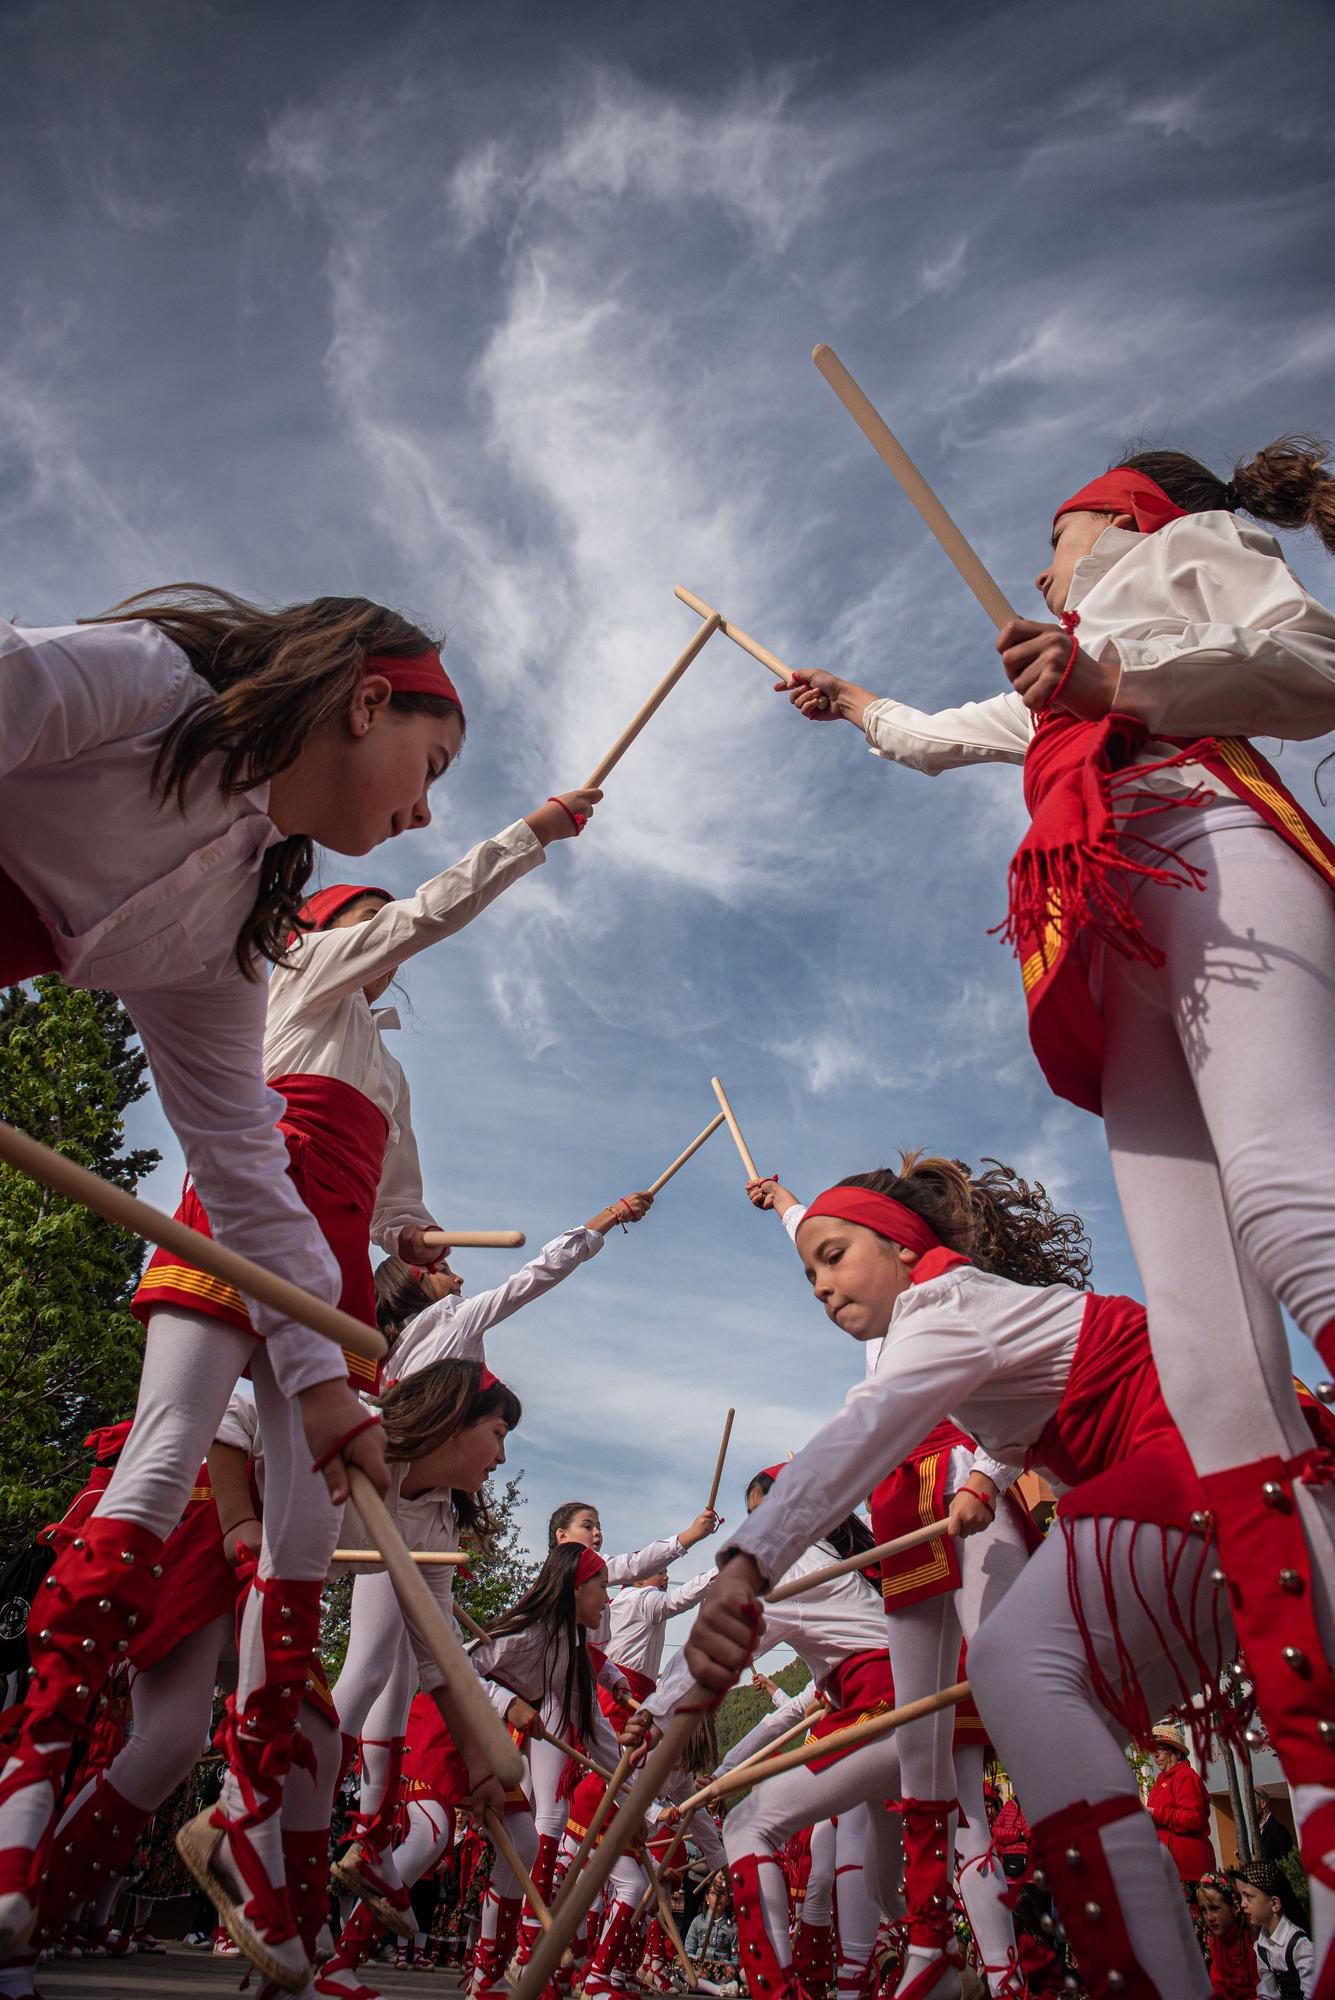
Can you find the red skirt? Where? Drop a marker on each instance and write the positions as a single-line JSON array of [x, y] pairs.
[[432, 1765], [913, 1496], [26, 946], [336, 1147], [859, 1687], [618, 1713]]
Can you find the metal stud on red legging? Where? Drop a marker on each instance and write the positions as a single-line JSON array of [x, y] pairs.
[[813, 1959], [306, 1866], [96, 1597], [605, 1973], [500, 1926], [541, 1874], [1073, 1867], [766, 1976]]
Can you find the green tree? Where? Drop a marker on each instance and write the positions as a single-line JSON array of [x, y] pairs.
[[743, 1707], [69, 1350]]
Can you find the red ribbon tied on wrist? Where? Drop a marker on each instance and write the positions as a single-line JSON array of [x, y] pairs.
[[578, 820], [336, 1448]]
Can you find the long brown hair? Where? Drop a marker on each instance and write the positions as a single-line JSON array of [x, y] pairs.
[[549, 1603], [277, 677], [1002, 1223], [399, 1296], [1287, 484], [435, 1404]]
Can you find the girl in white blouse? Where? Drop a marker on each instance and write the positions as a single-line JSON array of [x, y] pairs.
[[1173, 908]]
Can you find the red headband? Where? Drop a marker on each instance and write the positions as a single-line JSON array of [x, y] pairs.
[[877, 1212], [319, 910], [423, 674], [770, 1472], [486, 1380], [589, 1566], [1124, 492]]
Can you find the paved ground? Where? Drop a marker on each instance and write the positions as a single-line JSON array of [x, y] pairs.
[[189, 1975]]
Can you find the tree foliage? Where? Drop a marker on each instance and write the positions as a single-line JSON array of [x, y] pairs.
[[69, 1350], [743, 1707]]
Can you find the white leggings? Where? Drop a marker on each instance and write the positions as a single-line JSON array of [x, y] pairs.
[[776, 1810], [1219, 1105], [982, 1881], [172, 1706], [818, 1897], [1031, 1677]]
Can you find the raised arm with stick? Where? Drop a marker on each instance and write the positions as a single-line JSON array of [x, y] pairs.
[[719, 1462], [655, 701], [683, 1157]]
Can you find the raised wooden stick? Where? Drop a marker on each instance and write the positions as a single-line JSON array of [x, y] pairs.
[[920, 495], [505, 1847], [655, 701], [31, 1157], [681, 1159], [853, 1738], [580, 1891], [718, 1466], [752, 1173], [424, 1558], [660, 1895], [473, 1721], [474, 1239], [798, 1584], [591, 1832], [738, 637]]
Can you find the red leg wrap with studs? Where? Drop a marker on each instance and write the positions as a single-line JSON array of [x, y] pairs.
[[261, 1741], [95, 1599], [766, 1976], [813, 1959], [306, 1867], [90, 1849], [1073, 1867], [1266, 1559]]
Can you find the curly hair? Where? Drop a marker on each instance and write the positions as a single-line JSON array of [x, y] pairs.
[[1001, 1222], [1286, 484]]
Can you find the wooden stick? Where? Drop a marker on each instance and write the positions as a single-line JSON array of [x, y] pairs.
[[718, 1466], [655, 701], [798, 1584], [580, 1892], [920, 495], [681, 1159], [669, 1921], [467, 1618], [752, 1173], [559, 1743], [738, 637], [475, 1725], [591, 1832], [128, 1212], [424, 1558], [495, 1826], [474, 1239], [669, 1856], [853, 1738]]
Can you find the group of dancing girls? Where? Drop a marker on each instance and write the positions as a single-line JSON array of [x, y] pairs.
[[1171, 906]]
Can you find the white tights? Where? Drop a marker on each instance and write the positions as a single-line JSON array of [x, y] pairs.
[[818, 1897], [982, 1881], [1032, 1681], [776, 1810]]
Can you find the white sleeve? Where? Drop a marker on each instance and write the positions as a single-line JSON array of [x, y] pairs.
[[398, 1198], [769, 1726], [928, 1367], [439, 1579], [996, 731], [65, 688], [1003, 1477], [453, 1329], [675, 1685], [204, 1049], [709, 1841], [682, 1596], [791, 1219], [1253, 653], [644, 1562], [604, 1739], [610, 1676], [239, 1425], [331, 964]]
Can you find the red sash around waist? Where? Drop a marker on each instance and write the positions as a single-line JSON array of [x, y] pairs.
[[336, 1147], [913, 1496], [1072, 874], [859, 1686], [26, 946], [1111, 1438]]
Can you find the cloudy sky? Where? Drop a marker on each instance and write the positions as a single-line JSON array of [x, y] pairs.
[[503, 313]]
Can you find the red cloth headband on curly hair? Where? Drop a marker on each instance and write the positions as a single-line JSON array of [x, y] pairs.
[[877, 1212], [423, 674], [1124, 492], [590, 1565]]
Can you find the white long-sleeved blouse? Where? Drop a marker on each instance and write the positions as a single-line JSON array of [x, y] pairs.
[[320, 1023], [455, 1328], [1212, 631], [637, 1620], [993, 1354]]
